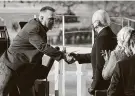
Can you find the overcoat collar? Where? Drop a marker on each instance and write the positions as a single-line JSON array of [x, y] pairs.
[[44, 27]]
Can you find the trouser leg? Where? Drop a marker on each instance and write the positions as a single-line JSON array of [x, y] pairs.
[[26, 80], [27, 76]]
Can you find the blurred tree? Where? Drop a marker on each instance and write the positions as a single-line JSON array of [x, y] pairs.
[[29, 2], [4, 3], [120, 8], [21, 1]]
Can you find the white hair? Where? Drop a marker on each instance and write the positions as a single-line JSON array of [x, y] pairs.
[[123, 38], [102, 16]]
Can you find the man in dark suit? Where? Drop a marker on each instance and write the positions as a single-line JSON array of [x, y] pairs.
[[24, 56], [105, 40], [123, 78]]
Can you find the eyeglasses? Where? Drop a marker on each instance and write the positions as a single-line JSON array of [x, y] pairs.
[[52, 19]]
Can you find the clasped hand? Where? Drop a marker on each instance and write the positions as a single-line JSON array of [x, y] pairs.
[[68, 58]]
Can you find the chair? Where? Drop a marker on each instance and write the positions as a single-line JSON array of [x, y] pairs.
[[101, 93]]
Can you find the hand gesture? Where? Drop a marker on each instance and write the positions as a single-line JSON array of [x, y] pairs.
[[69, 59], [106, 54], [91, 91], [74, 55]]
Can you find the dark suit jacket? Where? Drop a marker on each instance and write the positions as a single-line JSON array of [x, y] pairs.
[[106, 40], [29, 46], [123, 79]]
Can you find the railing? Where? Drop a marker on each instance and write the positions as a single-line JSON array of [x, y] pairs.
[[128, 22], [72, 38], [119, 22], [76, 33], [84, 37]]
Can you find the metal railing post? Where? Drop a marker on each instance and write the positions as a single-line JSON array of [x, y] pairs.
[[122, 22], [62, 65], [128, 23]]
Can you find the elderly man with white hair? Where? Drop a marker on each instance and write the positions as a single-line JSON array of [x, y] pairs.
[[105, 40]]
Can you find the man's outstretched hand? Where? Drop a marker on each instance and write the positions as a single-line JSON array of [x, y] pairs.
[[73, 54], [69, 59]]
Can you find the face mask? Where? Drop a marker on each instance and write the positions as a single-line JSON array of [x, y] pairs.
[[95, 32], [50, 23]]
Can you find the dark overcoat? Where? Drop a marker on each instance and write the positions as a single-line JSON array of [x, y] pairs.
[[123, 78], [29, 45], [105, 40], [24, 56]]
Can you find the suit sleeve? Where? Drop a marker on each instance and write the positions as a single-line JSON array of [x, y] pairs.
[[115, 81], [101, 44], [84, 58], [36, 40]]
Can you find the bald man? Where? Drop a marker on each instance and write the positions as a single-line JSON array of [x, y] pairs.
[[105, 40], [23, 59]]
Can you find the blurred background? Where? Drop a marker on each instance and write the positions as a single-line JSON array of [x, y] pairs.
[[77, 30], [78, 17]]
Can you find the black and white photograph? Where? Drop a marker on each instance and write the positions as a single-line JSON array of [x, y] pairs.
[[67, 48]]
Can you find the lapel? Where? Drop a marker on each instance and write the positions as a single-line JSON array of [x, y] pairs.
[[43, 30], [104, 31], [44, 27]]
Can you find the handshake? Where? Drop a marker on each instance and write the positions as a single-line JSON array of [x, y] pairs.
[[70, 57]]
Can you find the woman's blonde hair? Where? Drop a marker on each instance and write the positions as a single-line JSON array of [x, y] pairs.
[[123, 38]]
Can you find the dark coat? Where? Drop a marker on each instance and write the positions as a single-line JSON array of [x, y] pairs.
[[29, 45], [106, 40], [123, 79]]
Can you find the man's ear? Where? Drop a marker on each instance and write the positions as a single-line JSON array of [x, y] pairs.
[[41, 17]]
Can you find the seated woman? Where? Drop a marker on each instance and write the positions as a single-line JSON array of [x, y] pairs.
[[121, 51]]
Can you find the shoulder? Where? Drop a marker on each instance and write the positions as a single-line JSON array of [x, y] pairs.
[[108, 33], [120, 54], [118, 51], [31, 25], [126, 62], [33, 21]]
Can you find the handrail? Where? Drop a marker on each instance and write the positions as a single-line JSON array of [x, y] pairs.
[[77, 32], [129, 19]]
